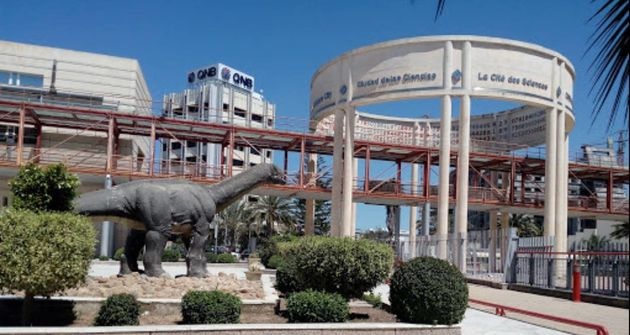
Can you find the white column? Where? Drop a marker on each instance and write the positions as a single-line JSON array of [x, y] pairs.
[[348, 173], [107, 228], [492, 248], [309, 220], [560, 239], [426, 219], [551, 120], [355, 164], [413, 211], [505, 227], [445, 153], [337, 206], [461, 212]]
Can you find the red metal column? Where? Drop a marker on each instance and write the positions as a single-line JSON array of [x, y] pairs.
[[523, 177], [38, 143], [609, 191], [152, 151], [110, 146], [20, 144], [302, 148], [286, 162], [222, 161], [398, 177], [512, 181], [366, 186]]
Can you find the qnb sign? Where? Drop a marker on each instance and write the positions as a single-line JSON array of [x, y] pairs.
[[223, 73]]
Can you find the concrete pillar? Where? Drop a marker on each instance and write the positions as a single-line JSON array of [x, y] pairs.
[[107, 229], [551, 120], [355, 165], [560, 239], [445, 153], [413, 211], [337, 205], [461, 213], [309, 220], [492, 248], [348, 173], [505, 236], [426, 219]]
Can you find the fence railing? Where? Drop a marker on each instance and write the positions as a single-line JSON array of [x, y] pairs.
[[603, 269]]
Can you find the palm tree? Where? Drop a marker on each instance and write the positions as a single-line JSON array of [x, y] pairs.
[[526, 225], [272, 210], [622, 230], [235, 216], [596, 243], [609, 69]]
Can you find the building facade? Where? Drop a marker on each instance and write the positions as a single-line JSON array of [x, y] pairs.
[[64, 77], [217, 94]]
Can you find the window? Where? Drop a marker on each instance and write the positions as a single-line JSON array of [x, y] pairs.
[[239, 112], [176, 146], [190, 144], [21, 79], [257, 118], [237, 162]]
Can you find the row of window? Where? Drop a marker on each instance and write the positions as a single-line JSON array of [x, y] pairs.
[[21, 79]]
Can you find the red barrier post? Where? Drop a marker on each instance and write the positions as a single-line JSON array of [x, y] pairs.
[[577, 280]]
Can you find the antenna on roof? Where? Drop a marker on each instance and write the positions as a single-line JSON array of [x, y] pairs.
[[53, 78]]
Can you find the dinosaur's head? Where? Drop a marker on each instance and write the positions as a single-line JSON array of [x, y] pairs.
[[275, 175]]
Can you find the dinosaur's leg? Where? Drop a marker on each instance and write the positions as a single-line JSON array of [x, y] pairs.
[[155, 242], [133, 246], [196, 257]]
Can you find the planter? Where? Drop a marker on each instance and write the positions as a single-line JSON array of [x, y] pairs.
[[253, 275]]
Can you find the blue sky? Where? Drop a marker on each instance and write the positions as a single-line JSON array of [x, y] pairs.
[[282, 43]]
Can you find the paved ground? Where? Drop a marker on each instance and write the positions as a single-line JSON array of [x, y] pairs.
[[475, 322]]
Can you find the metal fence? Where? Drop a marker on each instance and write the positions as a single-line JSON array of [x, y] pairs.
[[603, 268]]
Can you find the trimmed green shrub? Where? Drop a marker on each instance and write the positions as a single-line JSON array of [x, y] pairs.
[[273, 247], [119, 253], [118, 310], [49, 189], [171, 254], [313, 306], [103, 258], [226, 258], [207, 307], [211, 257], [274, 261], [373, 299], [334, 265], [428, 290]]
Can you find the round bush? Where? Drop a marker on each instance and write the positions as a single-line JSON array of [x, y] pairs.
[[428, 290], [287, 278], [118, 310], [274, 246], [205, 307], [226, 258], [335, 265], [274, 261], [171, 254], [313, 306]]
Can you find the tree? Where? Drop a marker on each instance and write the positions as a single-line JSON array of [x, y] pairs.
[[596, 243], [610, 66], [42, 250], [235, 216], [50, 189], [622, 230], [526, 225], [272, 210], [43, 253]]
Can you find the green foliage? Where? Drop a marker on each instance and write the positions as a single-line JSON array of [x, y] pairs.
[[44, 253], [272, 210], [622, 230], [119, 253], [103, 258], [203, 307], [428, 290], [373, 299], [274, 261], [272, 247], [226, 258], [596, 243], [171, 254], [50, 189], [118, 310], [526, 225], [334, 265], [313, 306]]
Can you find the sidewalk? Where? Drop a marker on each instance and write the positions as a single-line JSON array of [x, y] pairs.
[[614, 319]]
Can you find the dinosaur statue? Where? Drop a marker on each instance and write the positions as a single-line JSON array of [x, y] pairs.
[[159, 210]]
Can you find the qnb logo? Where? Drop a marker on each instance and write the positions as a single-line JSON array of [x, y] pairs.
[[241, 80], [191, 77], [225, 73], [202, 74]]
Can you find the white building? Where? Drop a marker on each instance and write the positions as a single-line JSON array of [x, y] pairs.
[[64, 77], [218, 94]]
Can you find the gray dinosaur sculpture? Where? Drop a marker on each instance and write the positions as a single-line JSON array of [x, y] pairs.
[[159, 210]]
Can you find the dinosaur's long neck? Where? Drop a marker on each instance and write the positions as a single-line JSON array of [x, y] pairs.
[[231, 189], [103, 202]]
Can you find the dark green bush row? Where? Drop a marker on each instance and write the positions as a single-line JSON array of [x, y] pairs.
[[428, 290], [335, 265], [274, 246], [221, 258], [274, 262], [204, 307], [171, 254], [118, 310], [313, 306]]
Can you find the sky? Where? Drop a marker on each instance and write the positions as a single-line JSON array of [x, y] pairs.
[[282, 43]]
